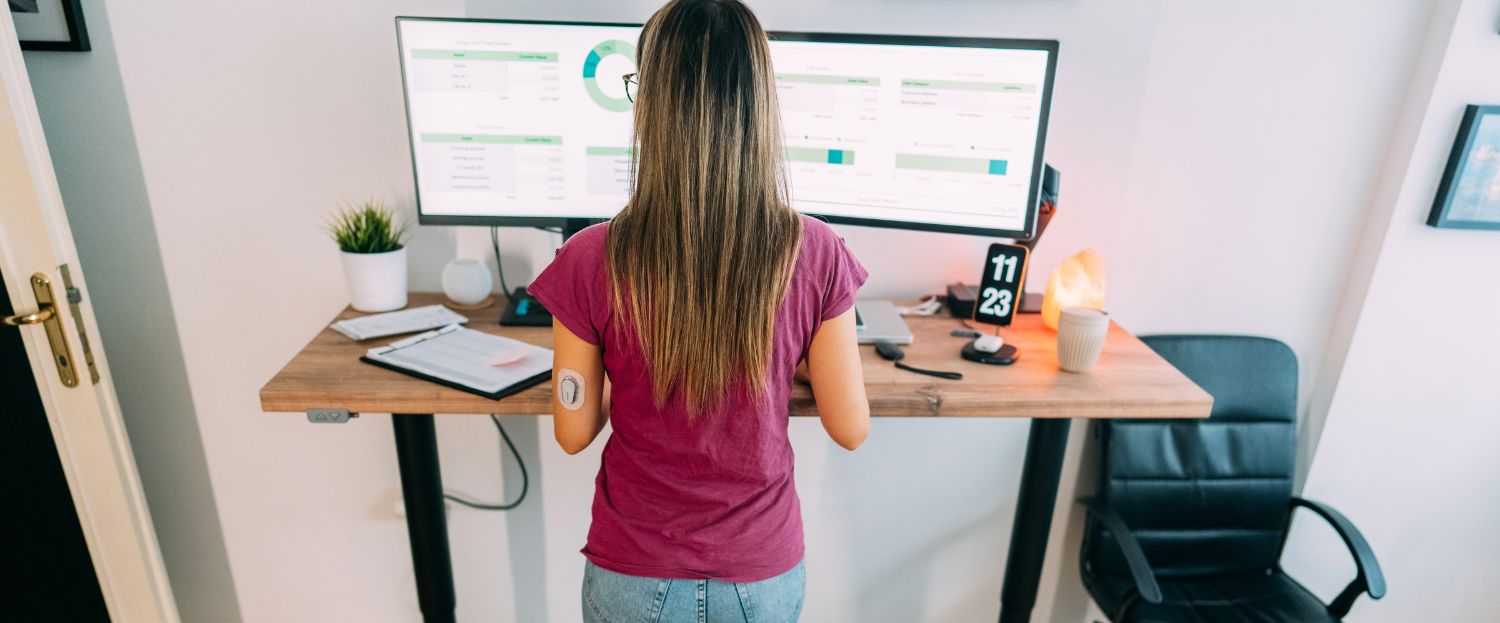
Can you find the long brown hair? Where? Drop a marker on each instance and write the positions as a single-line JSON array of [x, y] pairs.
[[700, 258]]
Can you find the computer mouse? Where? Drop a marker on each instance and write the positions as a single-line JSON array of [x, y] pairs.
[[889, 350], [988, 343]]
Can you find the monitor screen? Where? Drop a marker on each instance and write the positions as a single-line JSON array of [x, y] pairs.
[[517, 123]]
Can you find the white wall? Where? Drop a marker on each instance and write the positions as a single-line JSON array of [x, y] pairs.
[[1408, 446], [93, 146], [1219, 155]]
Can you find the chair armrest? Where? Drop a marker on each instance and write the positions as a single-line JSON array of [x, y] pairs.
[[1370, 579], [1135, 558]]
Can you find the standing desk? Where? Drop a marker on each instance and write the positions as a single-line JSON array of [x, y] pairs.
[[1130, 381]]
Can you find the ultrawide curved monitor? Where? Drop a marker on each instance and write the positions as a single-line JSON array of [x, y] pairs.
[[527, 123]]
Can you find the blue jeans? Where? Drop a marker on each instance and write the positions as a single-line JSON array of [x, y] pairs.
[[610, 597]]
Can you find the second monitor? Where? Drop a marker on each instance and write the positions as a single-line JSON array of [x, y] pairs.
[[528, 123]]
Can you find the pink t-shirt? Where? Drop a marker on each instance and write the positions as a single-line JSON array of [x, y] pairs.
[[713, 497]]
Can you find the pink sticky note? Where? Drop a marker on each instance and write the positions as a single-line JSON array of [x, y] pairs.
[[506, 358]]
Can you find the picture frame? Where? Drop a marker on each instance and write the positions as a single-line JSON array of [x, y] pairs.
[[1469, 195], [54, 25]]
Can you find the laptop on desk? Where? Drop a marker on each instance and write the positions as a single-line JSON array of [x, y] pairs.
[[878, 321]]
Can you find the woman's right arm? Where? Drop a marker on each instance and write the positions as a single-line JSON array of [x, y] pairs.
[[838, 381]]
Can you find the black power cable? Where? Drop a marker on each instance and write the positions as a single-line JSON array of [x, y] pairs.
[[525, 479], [952, 376], [891, 352], [499, 268]]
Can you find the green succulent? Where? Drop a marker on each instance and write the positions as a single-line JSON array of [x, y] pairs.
[[368, 227]]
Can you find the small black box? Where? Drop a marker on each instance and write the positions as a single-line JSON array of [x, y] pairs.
[[961, 298]]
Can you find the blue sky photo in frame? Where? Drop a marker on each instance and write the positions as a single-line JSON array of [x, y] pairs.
[[1477, 197], [1469, 196]]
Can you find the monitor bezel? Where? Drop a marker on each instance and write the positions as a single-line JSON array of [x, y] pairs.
[[1049, 46], [466, 219]]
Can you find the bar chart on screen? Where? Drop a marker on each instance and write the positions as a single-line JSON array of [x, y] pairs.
[[945, 133]]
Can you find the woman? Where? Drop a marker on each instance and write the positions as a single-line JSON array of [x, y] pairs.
[[698, 303]]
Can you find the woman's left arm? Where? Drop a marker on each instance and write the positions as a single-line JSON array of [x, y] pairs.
[[580, 404]]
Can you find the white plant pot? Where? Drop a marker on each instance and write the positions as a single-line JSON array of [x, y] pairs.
[[377, 281]]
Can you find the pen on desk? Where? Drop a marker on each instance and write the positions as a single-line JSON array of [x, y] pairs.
[[412, 340]]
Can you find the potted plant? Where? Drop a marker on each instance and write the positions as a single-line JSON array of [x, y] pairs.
[[374, 256]]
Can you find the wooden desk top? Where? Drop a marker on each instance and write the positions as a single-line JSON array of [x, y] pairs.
[[1130, 380]]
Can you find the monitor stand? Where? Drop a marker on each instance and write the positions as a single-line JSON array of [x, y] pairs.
[[524, 310], [1031, 302]]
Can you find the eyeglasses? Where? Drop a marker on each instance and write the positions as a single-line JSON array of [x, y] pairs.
[[632, 85]]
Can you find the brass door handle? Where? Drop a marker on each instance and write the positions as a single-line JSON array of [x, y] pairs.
[[46, 316], [42, 316]]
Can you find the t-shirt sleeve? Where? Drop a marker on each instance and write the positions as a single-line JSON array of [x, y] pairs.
[[845, 276], [571, 287]]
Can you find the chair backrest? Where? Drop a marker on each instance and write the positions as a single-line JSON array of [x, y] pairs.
[[1206, 497]]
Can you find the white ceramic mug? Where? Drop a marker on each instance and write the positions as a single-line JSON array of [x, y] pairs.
[[1080, 337]]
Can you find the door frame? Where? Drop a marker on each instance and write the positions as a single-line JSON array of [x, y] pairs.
[[85, 419]]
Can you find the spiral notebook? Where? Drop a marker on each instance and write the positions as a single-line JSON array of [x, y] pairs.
[[474, 361]]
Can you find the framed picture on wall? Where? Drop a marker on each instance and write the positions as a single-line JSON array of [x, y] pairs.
[[50, 25], [1469, 195]]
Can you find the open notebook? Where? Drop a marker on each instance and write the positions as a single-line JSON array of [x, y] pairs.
[[473, 361]]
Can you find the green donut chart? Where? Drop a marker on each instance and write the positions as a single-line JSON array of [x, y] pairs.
[[591, 80]]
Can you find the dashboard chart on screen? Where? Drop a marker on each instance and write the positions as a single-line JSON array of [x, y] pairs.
[[511, 120], [529, 123]]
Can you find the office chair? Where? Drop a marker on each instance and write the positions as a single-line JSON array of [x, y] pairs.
[[1192, 515]]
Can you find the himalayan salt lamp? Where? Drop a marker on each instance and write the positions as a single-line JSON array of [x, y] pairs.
[[1077, 282]]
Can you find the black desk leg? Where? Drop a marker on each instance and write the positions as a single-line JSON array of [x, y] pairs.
[[1045, 447], [426, 523]]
